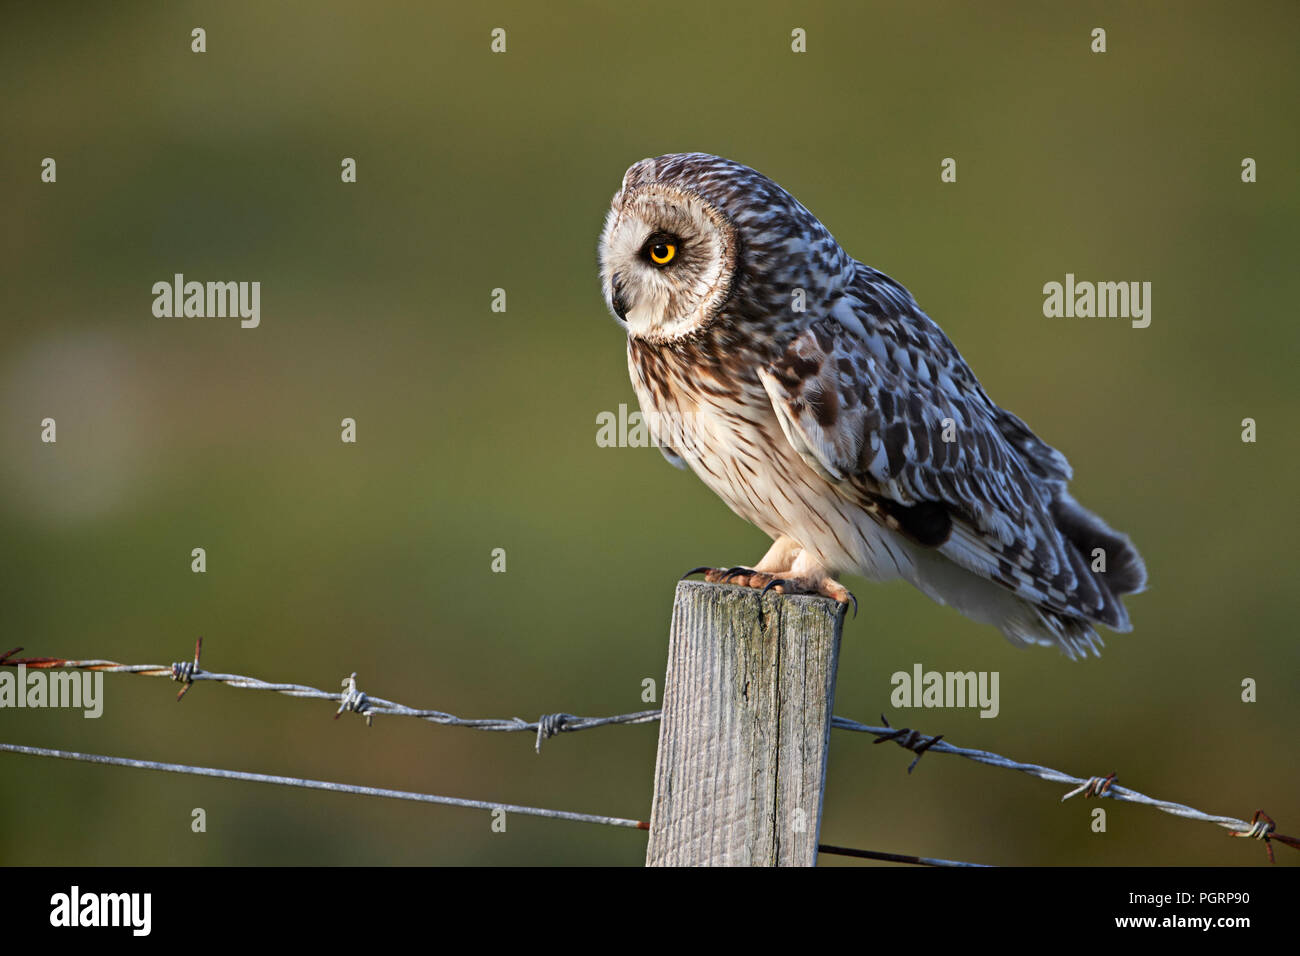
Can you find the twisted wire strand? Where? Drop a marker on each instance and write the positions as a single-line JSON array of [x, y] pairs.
[[350, 699]]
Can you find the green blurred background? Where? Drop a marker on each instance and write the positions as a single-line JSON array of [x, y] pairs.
[[477, 429]]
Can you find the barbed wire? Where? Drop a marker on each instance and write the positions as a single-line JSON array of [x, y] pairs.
[[1260, 827], [352, 699]]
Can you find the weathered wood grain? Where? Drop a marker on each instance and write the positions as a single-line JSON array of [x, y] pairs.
[[746, 728]]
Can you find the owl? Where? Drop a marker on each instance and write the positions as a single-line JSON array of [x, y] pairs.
[[812, 394]]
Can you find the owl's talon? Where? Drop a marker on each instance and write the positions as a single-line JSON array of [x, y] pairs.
[[832, 589], [740, 576], [826, 587], [724, 575]]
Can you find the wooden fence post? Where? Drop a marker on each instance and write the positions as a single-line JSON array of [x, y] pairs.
[[746, 728]]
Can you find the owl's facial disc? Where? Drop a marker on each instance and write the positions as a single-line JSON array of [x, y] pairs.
[[667, 259]]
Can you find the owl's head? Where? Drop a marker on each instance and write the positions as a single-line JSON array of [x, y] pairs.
[[691, 236]]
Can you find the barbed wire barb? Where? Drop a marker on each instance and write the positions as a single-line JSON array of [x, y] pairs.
[[184, 671]]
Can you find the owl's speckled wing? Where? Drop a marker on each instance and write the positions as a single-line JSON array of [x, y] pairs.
[[874, 396]]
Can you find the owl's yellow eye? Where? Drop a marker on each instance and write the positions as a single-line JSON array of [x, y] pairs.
[[661, 253]]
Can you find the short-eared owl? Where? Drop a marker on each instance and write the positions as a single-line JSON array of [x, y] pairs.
[[813, 395]]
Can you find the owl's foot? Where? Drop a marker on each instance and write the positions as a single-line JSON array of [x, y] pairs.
[[788, 582], [825, 585], [737, 575]]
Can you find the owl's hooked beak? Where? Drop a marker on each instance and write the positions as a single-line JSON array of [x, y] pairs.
[[617, 302]]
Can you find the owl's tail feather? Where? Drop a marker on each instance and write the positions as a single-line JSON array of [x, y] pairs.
[[1107, 556], [1074, 636]]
